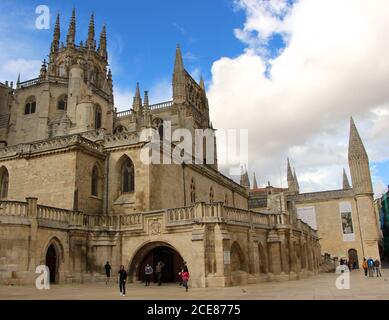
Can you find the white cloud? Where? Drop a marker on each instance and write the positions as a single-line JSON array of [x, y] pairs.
[[28, 69], [334, 65]]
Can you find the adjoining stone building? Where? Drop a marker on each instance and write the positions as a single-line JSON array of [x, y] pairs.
[[345, 219], [75, 193]]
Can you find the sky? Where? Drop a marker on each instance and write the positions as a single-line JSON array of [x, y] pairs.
[[291, 72]]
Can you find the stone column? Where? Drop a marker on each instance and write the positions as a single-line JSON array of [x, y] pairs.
[[33, 253], [274, 253], [197, 249]]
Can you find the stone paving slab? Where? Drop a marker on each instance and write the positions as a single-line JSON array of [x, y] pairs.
[[321, 287]]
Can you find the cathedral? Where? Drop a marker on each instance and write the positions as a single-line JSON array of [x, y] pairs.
[[75, 192]]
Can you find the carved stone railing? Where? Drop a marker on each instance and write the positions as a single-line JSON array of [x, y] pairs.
[[54, 144], [32, 82], [162, 105], [122, 114], [13, 208], [184, 216]]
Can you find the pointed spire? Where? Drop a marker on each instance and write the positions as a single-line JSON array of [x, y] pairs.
[[137, 105], [72, 29], [244, 178], [346, 183], [295, 179], [103, 43], [255, 184], [56, 36], [90, 43], [146, 100], [178, 64], [202, 85], [356, 149], [290, 177]]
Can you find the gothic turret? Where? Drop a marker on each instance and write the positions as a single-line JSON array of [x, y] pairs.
[[72, 30], [292, 179], [103, 44], [359, 163], [179, 78], [255, 184], [137, 105], [90, 43], [346, 183], [56, 36], [244, 178]]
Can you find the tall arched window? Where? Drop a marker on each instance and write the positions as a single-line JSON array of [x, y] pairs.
[[192, 191], [62, 102], [211, 195], [4, 182], [128, 177], [30, 106], [98, 117], [95, 182], [226, 199]]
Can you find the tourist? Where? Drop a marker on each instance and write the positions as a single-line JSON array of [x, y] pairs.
[[107, 272], [158, 271], [377, 268], [148, 272], [365, 266], [370, 265], [122, 281], [185, 279]]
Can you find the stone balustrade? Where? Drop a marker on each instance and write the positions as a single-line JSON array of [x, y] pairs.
[[197, 213]]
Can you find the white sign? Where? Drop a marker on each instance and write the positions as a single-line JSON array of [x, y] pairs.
[[227, 257], [308, 215]]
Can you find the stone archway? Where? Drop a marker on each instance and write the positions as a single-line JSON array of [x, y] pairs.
[[262, 259], [151, 253], [53, 258], [238, 261], [353, 258]]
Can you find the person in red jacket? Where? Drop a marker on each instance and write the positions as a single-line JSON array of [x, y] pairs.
[[185, 279]]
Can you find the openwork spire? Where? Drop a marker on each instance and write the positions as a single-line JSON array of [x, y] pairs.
[[90, 43], [72, 30], [103, 43], [56, 36]]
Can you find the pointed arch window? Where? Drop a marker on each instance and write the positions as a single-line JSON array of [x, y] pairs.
[[192, 191], [128, 176], [4, 182], [98, 117], [62, 102], [30, 106], [211, 195], [95, 182]]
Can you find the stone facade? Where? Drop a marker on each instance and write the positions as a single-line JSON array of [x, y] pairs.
[[345, 219], [75, 193]]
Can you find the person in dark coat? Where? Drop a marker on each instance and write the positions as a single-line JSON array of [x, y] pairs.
[[122, 281], [108, 269]]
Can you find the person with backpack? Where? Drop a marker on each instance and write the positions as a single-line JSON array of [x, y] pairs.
[[148, 273], [370, 265], [185, 279], [365, 266], [377, 268]]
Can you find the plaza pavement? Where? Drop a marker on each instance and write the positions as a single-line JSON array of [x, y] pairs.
[[321, 287]]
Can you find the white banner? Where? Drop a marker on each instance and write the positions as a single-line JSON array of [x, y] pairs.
[[347, 221]]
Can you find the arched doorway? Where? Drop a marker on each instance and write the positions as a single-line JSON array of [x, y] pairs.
[[151, 254], [238, 261], [353, 258], [52, 263]]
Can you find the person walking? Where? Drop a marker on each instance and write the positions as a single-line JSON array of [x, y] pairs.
[[107, 272], [148, 273], [122, 281], [185, 279], [158, 271], [370, 265], [365, 266], [377, 268]]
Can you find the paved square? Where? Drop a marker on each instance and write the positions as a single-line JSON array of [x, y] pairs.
[[321, 287]]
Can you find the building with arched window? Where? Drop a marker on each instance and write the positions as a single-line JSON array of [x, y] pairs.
[[82, 183]]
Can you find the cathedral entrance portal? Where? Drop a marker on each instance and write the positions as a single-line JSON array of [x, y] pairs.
[[153, 253]]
